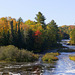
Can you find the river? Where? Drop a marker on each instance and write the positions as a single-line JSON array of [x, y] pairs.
[[63, 66]]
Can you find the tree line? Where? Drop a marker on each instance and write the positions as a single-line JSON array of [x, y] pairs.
[[68, 32], [30, 35]]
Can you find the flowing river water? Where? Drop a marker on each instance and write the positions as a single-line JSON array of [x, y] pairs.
[[63, 66]]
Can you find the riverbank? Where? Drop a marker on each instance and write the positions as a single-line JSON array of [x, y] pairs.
[[11, 53], [72, 57], [40, 67], [50, 57]]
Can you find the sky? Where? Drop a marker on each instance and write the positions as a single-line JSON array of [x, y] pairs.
[[62, 11]]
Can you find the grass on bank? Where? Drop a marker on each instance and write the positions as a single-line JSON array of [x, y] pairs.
[[11, 53], [72, 57], [50, 57]]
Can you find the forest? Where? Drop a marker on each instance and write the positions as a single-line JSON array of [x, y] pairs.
[[34, 36], [31, 35], [68, 32]]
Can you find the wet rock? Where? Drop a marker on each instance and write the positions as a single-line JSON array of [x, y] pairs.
[[5, 73]]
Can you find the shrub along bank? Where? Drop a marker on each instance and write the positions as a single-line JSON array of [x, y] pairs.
[[12, 53], [72, 57], [50, 57]]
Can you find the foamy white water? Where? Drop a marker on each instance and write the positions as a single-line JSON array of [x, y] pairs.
[[64, 66]]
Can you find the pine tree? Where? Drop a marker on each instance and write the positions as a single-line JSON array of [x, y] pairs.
[[11, 35], [19, 33], [41, 19]]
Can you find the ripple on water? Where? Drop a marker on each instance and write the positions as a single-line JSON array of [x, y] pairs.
[[64, 66]]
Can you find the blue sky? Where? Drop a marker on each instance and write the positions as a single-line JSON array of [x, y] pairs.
[[62, 11]]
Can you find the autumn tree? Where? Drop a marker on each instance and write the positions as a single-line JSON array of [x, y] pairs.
[[72, 36], [66, 30], [29, 22], [31, 35]]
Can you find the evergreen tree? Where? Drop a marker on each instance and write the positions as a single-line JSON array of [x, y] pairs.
[[30, 40], [20, 20], [41, 19], [12, 32], [52, 25], [3, 37], [19, 33], [8, 38]]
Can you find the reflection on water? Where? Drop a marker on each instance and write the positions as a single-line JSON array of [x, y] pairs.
[[64, 66]]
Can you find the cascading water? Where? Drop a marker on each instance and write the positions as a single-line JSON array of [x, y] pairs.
[[64, 66]]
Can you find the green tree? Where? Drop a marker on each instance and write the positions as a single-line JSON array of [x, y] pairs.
[[29, 22], [72, 36], [12, 32], [20, 20], [54, 28], [41, 19], [19, 33], [30, 40]]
